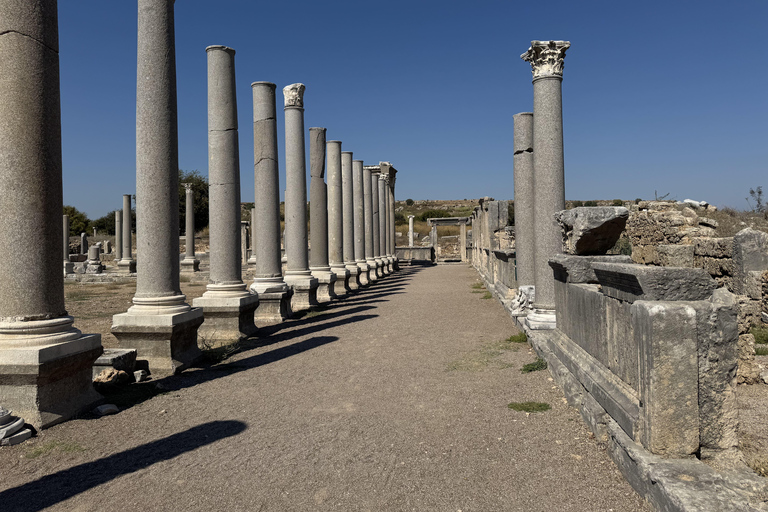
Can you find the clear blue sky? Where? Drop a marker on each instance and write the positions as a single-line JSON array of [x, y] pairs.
[[658, 96]]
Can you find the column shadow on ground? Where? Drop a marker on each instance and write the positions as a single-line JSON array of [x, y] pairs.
[[62, 485]]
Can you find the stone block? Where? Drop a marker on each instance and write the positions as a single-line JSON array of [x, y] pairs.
[[675, 255], [118, 358], [630, 283], [578, 269], [591, 230], [227, 319], [713, 247], [750, 260]]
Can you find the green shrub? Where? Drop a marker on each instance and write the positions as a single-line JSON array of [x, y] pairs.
[[590, 203], [618, 202], [399, 219], [409, 202], [518, 338], [432, 214], [538, 364], [577, 204], [760, 333], [529, 406]]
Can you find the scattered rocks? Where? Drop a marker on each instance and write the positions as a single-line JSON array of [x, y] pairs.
[[12, 429], [112, 377], [140, 375]]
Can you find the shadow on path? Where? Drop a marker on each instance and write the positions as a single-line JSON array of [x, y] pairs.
[[55, 488]]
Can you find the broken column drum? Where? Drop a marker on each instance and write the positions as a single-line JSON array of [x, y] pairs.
[[546, 59], [274, 294], [318, 217], [358, 200], [190, 263], [297, 273], [375, 175], [69, 267], [45, 362], [368, 205], [227, 305], [348, 215], [127, 263], [336, 219], [160, 325]]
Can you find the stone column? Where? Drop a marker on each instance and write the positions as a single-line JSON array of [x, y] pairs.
[[297, 274], [368, 205], [45, 363], [274, 294], [83, 243], [336, 219], [391, 172], [433, 236], [227, 305], [118, 236], [348, 214], [463, 241], [385, 270], [546, 58], [69, 267], [160, 324], [252, 259], [410, 231], [358, 201], [93, 264], [524, 212], [190, 263], [375, 175], [127, 264], [318, 217]]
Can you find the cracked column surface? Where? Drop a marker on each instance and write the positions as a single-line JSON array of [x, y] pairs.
[[69, 267], [297, 273], [318, 217], [347, 187], [546, 58], [189, 263], [524, 193], [336, 219], [227, 305], [358, 201], [127, 264], [376, 232], [45, 362], [118, 235], [385, 268], [160, 325], [274, 294], [367, 199]]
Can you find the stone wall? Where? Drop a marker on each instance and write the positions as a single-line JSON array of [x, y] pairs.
[[492, 249]]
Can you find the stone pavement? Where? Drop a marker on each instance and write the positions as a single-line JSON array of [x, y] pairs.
[[393, 399]]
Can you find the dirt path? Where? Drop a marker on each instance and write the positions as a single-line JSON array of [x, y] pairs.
[[395, 399]]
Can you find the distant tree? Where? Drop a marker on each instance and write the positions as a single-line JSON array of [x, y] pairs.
[[78, 221], [200, 191], [399, 219], [637, 201], [431, 214], [590, 203], [409, 202], [578, 204], [105, 224], [618, 202]]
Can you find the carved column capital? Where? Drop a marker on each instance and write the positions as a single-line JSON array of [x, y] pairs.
[[546, 58], [294, 95], [187, 187]]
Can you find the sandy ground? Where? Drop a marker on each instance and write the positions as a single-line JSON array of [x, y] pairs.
[[393, 399]]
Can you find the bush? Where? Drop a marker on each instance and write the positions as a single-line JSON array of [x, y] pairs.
[[590, 203], [618, 202], [637, 201], [432, 214], [200, 195], [409, 202], [105, 224], [78, 221], [511, 214], [578, 204], [400, 219]]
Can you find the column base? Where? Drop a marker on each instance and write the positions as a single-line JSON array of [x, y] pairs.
[[541, 320], [372, 271], [341, 287], [69, 268], [522, 304], [354, 277], [49, 384], [274, 301], [395, 263], [190, 265], [94, 267], [167, 341], [228, 319], [379, 268], [126, 266], [385, 268], [304, 289], [326, 281], [363, 276]]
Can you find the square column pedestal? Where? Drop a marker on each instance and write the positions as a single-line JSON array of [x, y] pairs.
[[341, 285], [229, 315], [353, 284], [48, 384], [274, 301], [163, 335], [363, 277], [326, 281], [304, 288]]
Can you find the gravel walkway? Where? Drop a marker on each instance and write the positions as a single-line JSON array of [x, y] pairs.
[[394, 399]]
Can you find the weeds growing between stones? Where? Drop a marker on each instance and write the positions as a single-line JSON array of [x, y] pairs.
[[538, 364], [529, 406]]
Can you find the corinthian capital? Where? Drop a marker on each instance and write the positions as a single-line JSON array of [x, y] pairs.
[[546, 58], [294, 95]]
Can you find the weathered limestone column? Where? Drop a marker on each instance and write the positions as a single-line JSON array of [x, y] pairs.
[[463, 242], [410, 231], [274, 294], [252, 259], [368, 224], [433, 236], [392, 172], [318, 217], [525, 237], [546, 58], [69, 267], [83, 243], [336, 219], [375, 176], [297, 274], [190, 263], [93, 264], [127, 263], [227, 305], [348, 215], [244, 234], [160, 324], [358, 199], [385, 270], [118, 235], [45, 363]]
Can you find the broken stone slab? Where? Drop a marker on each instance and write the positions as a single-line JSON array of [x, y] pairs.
[[11, 428], [118, 358], [631, 282], [106, 409], [16, 438], [591, 230], [569, 268]]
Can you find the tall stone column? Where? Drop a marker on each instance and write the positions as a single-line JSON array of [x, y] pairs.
[[252, 258], [127, 264], [118, 235], [297, 274], [525, 237], [410, 231], [348, 215], [69, 267], [336, 219], [375, 176], [546, 58], [433, 236], [383, 224], [368, 224], [160, 324], [190, 263], [227, 305], [358, 200], [268, 283], [318, 217], [45, 363], [392, 240], [463, 241]]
